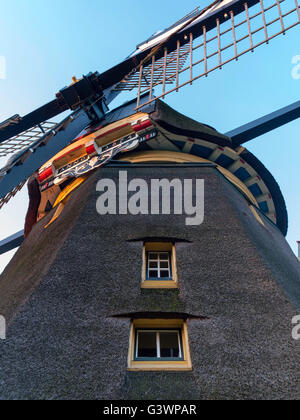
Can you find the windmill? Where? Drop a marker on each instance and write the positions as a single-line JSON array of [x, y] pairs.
[[201, 42], [58, 157]]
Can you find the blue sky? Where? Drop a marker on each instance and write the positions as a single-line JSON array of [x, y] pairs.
[[46, 43]]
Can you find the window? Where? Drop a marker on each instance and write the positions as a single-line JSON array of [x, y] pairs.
[[159, 345], [159, 265]]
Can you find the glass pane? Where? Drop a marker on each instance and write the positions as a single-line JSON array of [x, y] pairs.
[[147, 344], [164, 256], [153, 256], [164, 264], [153, 264], [169, 346], [164, 274], [153, 274]]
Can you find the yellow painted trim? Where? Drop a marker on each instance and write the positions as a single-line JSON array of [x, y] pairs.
[[63, 197], [131, 346], [257, 216], [71, 187], [57, 213], [151, 367], [178, 157], [183, 365], [238, 184], [158, 323], [159, 284], [144, 265], [174, 265], [161, 156], [49, 195], [186, 347], [158, 246]]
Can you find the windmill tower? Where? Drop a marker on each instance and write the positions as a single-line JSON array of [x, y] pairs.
[[118, 292]]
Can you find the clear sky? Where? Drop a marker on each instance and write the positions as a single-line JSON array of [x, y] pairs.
[[45, 43]]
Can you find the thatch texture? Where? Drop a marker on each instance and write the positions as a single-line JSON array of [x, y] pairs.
[[67, 286]]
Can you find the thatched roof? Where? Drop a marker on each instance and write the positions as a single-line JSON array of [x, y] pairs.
[[71, 290]]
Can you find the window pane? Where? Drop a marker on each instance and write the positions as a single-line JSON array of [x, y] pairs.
[[164, 256], [164, 264], [147, 344], [153, 256], [153, 274], [164, 273], [169, 346], [153, 264]]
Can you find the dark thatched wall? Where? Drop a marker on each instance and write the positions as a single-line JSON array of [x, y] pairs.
[[66, 285]]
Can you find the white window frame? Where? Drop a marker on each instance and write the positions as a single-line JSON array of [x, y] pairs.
[[159, 260], [158, 349]]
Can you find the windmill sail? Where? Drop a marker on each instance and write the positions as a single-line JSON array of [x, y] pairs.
[[19, 168], [30, 141], [195, 46], [25, 139], [207, 41], [4, 200]]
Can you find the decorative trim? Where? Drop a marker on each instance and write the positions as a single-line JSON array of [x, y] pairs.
[[168, 156], [257, 216]]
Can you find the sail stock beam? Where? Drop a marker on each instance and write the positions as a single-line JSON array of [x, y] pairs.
[[265, 124]]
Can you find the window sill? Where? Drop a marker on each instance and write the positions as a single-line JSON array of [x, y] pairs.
[[159, 284], [159, 366]]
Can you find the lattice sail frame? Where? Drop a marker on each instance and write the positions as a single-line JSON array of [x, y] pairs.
[[228, 41], [29, 141], [25, 139], [11, 194], [18, 144]]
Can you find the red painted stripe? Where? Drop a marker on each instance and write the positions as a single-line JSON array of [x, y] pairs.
[[45, 174], [142, 126], [90, 149]]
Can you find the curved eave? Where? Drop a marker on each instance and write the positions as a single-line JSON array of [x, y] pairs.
[[178, 123], [271, 183], [190, 136]]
